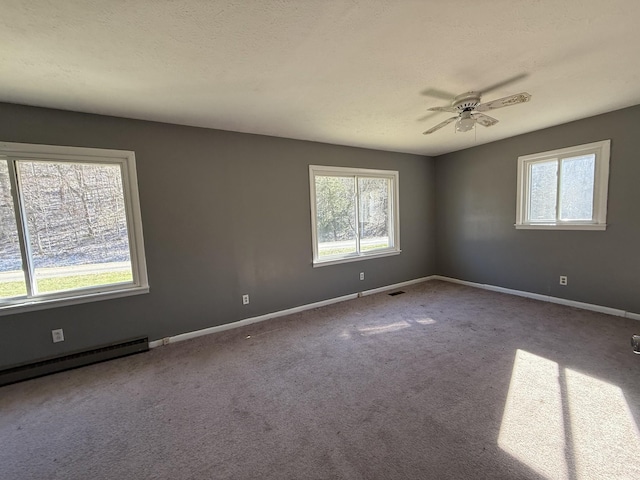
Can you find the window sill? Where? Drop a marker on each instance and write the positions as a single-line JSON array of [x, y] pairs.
[[44, 303], [560, 226], [336, 261]]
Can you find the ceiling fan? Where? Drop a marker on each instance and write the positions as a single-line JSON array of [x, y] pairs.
[[469, 110]]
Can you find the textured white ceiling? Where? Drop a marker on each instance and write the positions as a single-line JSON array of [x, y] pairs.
[[343, 72]]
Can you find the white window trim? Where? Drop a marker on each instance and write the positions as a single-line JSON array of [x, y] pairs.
[[126, 159], [394, 207], [601, 150]]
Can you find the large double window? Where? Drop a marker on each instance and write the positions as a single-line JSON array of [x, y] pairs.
[[70, 228], [564, 189], [354, 213]]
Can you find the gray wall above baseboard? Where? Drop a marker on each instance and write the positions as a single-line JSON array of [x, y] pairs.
[[223, 214], [476, 208]]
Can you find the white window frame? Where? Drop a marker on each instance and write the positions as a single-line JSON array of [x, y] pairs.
[[601, 150], [394, 210], [13, 152]]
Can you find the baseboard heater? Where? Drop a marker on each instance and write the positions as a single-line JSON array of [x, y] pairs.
[[46, 366]]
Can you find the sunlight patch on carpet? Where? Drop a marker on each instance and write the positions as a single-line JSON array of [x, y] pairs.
[[567, 425], [605, 436], [392, 327], [425, 321], [532, 427]]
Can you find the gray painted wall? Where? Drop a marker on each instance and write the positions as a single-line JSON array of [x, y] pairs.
[[476, 208], [223, 214]]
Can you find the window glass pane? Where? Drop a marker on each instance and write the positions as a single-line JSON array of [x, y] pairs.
[[76, 224], [12, 282], [543, 190], [374, 213], [336, 215], [576, 188]]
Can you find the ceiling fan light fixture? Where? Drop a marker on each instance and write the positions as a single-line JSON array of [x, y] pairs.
[[465, 122]]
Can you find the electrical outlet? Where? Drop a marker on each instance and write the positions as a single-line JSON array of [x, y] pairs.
[[361, 275], [57, 335], [245, 299], [166, 340], [563, 280]]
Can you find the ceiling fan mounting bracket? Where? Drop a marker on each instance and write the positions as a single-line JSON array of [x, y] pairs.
[[466, 102]]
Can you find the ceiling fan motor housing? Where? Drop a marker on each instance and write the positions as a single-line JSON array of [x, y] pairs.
[[466, 102]]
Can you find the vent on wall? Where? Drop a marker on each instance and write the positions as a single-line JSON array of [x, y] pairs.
[[74, 360]]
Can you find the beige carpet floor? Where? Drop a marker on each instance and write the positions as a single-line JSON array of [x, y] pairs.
[[441, 382]]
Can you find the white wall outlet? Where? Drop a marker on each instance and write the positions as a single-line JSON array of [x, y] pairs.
[[245, 299], [57, 335], [563, 280], [166, 340], [361, 275]]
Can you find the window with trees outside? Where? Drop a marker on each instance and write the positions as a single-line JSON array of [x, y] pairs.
[[70, 227], [354, 213], [564, 189]]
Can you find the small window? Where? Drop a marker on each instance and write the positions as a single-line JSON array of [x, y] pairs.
[[70, 226], [564, 189], [354, 213]]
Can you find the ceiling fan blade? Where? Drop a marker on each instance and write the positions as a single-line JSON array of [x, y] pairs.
[[504, 102], [435, 93], [503, 83], [440, 125], [484, 120], [443, 109]]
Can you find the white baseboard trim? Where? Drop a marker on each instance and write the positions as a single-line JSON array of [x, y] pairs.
[[280, 313], [248, 321], [633, 316], [543, 298], [309, 306]]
